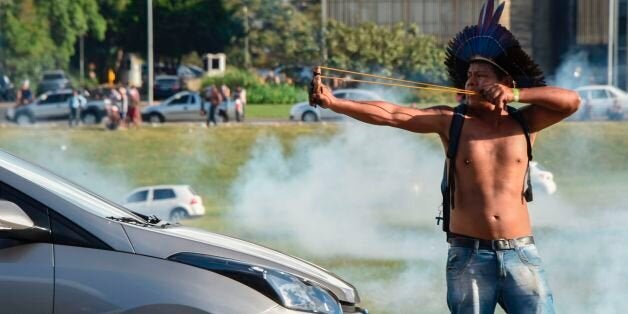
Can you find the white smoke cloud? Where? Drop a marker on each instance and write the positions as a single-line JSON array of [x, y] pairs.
[[356, 194], [372, 192]]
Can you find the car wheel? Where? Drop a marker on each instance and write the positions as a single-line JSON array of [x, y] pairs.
[[23, 119], [90, 117], [155, 118], [178, 214], [309, 116]]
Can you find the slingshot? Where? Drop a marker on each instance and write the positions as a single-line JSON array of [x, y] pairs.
[[317, 84]]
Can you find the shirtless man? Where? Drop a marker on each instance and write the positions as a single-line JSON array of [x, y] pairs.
[[491, 166]]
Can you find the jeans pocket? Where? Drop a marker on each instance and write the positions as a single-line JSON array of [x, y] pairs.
[[529, 255], [458, 258]]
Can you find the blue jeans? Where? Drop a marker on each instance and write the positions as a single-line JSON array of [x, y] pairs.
[[479, 279]]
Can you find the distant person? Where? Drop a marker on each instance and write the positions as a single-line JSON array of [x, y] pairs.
[[76, 102], [240, 103], [213, 99], [124, 103], [134, 116], [24, 94], [226, 101]]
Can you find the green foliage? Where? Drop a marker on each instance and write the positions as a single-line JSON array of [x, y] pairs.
[[233, 77], [257, 91], [279, 34], [392, 51], [276, 94], [41, 35], [24, 38], [179, 27]]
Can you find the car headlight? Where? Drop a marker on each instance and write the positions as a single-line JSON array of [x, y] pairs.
[[298, 294], [290, 291]]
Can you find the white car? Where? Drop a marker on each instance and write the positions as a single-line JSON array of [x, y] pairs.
[[304, 112], [601, 102], [167, 202], [542, 180]]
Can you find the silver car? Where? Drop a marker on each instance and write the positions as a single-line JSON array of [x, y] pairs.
[[601, 102], [66, 250], [183, 106], [53, 105], [304, 112]]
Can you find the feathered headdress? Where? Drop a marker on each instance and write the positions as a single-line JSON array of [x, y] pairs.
[[493, 43]]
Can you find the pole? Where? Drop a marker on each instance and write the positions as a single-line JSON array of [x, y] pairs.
[[247, 55], [324, 31], [82, 60], [150, 52], [615, 18], [611, 40]]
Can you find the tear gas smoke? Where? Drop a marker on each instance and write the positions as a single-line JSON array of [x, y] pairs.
[[354, 196]]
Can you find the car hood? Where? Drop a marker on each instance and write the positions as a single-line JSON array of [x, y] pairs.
[[179, 239]]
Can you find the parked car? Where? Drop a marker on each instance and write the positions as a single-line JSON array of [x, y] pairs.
[[53, 105], [601, 102], [53, 80], [183, 106], [304, 112], [542, 180], [64, 249], [166, 86], [166, 202]]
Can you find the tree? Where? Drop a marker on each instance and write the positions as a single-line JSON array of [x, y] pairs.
[[279, 34], [400, 50], [41, 34], [180, 27]]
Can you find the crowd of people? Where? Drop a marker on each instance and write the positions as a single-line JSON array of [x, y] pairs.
[[122, 104], [219, 100]]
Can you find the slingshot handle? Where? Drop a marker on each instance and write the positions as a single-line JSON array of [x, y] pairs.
[[316, 86]]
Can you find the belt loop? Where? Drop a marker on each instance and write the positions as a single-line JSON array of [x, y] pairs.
[[476, 245]]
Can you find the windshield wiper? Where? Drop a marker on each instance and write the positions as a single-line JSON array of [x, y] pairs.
[[149, 221], [129, 220]]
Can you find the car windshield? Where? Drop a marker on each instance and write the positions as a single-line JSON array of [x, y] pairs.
[[64, 188], [52, 76]]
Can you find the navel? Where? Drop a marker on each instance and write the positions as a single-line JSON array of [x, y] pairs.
[[467, 162], [496, 217], [518, 160]]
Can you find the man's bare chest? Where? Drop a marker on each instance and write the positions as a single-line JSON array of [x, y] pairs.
[[486, 146]]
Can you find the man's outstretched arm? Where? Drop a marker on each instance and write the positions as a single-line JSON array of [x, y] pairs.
[[429, 120]]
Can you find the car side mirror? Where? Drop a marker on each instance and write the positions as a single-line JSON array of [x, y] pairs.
[[12, 217]]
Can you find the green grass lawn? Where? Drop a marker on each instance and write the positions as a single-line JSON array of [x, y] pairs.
[[261, 111], [589, 160]]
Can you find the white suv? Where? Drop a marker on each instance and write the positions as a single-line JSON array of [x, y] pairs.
[[167, 202]]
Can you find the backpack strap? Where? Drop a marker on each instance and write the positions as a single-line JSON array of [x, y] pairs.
[[448, 183], [518, 116]]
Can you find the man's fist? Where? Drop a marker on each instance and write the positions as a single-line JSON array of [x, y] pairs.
[[499, 95], [319, 94]]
